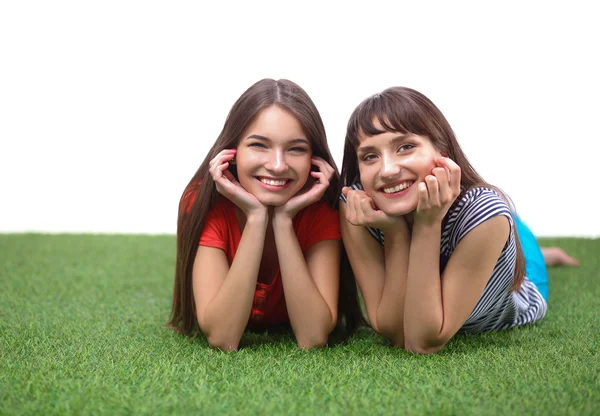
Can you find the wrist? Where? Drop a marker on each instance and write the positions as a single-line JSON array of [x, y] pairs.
[[399, 232], [281, 219], [427, 226], [258, 218], [395, 226]]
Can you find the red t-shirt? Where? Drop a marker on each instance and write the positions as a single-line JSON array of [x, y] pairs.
[[313, 224]]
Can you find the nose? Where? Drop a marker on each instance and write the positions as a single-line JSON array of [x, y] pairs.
[[276, 162], [390, 169]]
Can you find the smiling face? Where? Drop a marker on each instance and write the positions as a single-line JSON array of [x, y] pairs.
[[391, 166], [273, 157]]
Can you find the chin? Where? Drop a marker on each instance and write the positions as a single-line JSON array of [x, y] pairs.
[[395, 209], [397, 212], [273, 202]]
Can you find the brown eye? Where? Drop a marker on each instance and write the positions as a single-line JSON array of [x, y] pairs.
[[369, 157], [405, 148], [298, 149]]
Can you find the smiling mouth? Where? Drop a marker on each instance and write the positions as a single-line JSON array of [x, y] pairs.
[[273, 182], [397, 188]]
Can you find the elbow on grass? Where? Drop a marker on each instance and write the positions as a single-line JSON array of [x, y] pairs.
[[422, 348], [312, 345], [223, 344], [218, 339], [394, 334], [313, 341]]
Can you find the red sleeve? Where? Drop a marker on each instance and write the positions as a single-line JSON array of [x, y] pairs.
[[188, 199], [214, 234], [319, 222]]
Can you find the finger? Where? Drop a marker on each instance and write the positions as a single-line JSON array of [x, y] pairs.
[[225, 155], [345, 191], [423, 196], [363, 209], [229, 176], [444, 184], [433, 190], [214, 170], [318, 161], [323, 166], [321, 178], [439, 161], [349, 206], [319, 186], [355, 204], [366, 208], [454, 176], [217, 173]]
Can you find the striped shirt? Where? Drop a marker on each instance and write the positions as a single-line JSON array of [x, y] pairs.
[[499, 307]]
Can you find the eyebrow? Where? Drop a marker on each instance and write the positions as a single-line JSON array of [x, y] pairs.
[[368, 149], [266, 139]]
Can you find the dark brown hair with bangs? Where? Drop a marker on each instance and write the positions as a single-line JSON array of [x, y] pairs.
[[404, 110], [200, 194]]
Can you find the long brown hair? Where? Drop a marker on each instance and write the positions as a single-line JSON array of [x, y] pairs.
[[404, 110], [200, 194]]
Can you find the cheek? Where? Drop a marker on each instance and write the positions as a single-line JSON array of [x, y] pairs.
[[366, 174], [425, 163], [366, 179], [303, 168], [243, 166]]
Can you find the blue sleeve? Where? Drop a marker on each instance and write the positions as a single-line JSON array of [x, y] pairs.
[[535, 266]]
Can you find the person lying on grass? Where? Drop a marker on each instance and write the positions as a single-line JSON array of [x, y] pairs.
[[434, 248], [258, 238]]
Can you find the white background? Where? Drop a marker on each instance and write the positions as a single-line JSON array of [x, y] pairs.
[[107, 108]]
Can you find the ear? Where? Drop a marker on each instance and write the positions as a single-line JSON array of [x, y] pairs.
[[445, 154]]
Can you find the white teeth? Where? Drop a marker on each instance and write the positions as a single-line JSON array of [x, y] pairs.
[[273, 182], [397, 188]]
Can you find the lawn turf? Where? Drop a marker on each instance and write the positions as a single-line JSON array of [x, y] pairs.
[[81, 332]]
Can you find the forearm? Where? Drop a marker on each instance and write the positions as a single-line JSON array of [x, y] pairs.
[[226, 315], [390, 313], [424, 312], [311, 318]]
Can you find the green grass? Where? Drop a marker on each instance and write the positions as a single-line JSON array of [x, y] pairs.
[[81, 332]]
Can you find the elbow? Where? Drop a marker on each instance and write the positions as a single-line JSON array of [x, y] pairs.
[[310, 343], [222, 343], [421, 347], [220, 340], [425, 341], [395, 334], [317, 339], [317, 336]]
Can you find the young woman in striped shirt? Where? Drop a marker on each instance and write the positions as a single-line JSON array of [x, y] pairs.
[[434, 248]]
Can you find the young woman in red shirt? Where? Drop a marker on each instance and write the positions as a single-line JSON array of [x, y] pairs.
[[258, 238]]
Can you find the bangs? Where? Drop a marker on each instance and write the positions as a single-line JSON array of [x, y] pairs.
[[391, 111]]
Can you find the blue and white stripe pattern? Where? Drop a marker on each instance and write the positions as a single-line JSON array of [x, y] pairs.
[[499, 307]]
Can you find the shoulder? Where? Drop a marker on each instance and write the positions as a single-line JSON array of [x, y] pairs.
[[479, 204], [219, 220], [475, 207], [222, 208]]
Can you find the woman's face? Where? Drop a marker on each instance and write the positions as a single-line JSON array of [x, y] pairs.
[[273, 157], [391, 165]]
